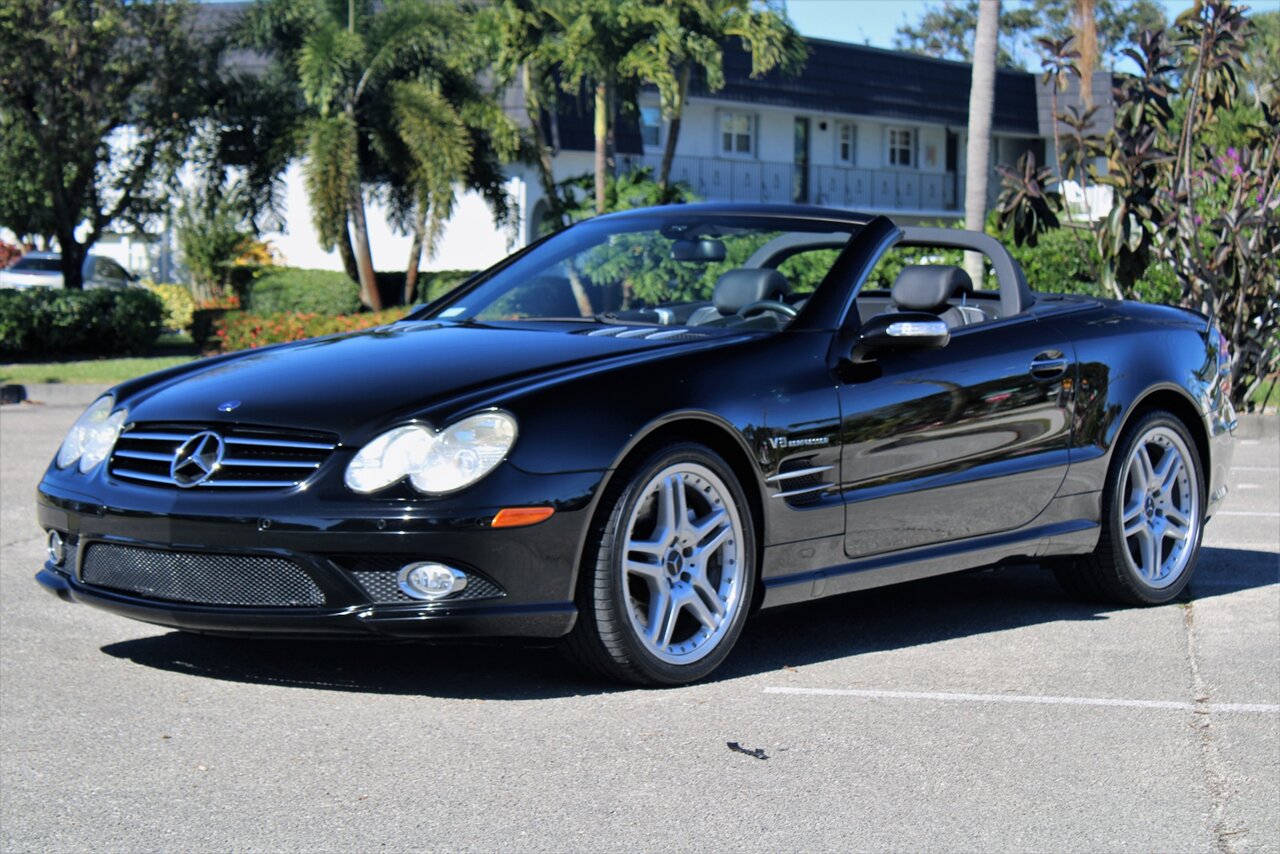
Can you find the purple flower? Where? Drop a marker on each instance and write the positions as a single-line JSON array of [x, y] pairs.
[[1199, 220], [1237, 171], [1231, 152]]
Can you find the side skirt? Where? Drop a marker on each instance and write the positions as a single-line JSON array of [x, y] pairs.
[[1074, 535]]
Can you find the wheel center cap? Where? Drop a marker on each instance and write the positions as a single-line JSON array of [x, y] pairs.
[[1151, 506], [674, 563]]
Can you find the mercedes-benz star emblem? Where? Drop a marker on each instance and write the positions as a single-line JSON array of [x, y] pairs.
[[197, 459]]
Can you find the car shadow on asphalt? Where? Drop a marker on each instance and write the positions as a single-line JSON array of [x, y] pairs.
[[884, 619]]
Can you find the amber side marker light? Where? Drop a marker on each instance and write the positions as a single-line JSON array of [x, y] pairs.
[[518, 517]]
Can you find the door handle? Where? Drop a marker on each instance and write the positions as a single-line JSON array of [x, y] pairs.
[[1048, 365]]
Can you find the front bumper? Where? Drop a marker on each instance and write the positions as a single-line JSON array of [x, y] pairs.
[[521, 580]]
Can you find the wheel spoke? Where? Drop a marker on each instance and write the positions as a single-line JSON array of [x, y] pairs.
[[1167, 474], [1175, 531], [649, 571], [700, 611], [709, 523], [709, 595], [663, 610], [656, 547], [703, 553], [667, 520], [1141, 470], [1175, 516], [1148, 550], [1133, 518]]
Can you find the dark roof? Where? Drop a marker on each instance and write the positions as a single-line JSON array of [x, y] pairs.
[[869, 81]]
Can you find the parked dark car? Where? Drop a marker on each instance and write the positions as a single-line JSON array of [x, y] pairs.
[[632, 434]]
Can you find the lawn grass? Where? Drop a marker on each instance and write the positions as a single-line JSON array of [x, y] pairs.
[[97, 371]]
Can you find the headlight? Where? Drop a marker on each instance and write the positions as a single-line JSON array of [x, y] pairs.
[[435, 463], [92, 437]]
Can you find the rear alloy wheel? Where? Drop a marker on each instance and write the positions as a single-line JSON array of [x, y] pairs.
[[1153, 518], [673, 573]]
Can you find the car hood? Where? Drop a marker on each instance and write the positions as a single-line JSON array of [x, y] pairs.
[[354, 383]]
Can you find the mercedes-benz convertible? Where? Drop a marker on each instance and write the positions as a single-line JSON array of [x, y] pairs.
[[629, 436]]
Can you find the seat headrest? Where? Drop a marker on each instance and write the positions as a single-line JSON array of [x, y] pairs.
[[739, 288], [927, 287]]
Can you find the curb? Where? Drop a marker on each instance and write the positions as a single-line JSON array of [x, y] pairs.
[[1257, 426], [62, 394]]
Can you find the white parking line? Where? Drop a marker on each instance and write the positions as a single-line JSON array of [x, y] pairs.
[[1028, 699], [1248, 486]]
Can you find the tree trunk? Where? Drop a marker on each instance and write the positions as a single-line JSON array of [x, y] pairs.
[[415, 252], [347, 254], [673, 131], [364, 260], [981, 103], [72, 261], [1087, 43], [602, 138], [545, 164]]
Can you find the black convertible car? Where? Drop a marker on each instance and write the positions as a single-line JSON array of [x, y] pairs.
[[634, 433]]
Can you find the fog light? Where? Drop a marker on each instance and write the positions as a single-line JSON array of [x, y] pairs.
[[431, 580], [57, 549]]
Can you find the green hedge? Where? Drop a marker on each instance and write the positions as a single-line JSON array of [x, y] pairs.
[[314, 291], [432, 284], [47, 322]]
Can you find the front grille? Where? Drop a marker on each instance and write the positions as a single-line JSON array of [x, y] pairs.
[[380, 578], [200, 577], [252, 457]]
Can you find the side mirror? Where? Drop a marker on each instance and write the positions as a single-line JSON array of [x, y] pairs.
[[897, 332]]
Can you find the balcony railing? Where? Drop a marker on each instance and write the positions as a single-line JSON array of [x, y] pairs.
[[717, 179]]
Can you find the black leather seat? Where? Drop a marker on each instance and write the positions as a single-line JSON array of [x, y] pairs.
[[929, 287], [737, 289]]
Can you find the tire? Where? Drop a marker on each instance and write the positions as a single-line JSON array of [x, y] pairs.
[[1153, 505], [662, 602]]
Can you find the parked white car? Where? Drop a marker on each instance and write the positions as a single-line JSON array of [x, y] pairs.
[[44, 270]]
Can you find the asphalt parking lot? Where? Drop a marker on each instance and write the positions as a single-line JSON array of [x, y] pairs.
[[985, 711]]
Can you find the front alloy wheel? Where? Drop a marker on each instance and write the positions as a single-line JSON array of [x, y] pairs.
[[673, 574]]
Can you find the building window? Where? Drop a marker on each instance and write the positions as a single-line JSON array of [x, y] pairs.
[[651, 126], [738, 134], [901, 147], [846, 143]]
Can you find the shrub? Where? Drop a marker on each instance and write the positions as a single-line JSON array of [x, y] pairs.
[[243, 331], [179, 305], [56, 322], [309, 291], [432, 284]]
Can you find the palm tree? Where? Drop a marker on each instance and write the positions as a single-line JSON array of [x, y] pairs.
[[587, 43], [688, 34], [395, 81], [981, 106]]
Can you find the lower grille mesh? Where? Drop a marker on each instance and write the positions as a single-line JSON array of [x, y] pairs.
[[199, 577]]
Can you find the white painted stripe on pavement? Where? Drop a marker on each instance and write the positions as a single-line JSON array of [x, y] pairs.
[[1266, 514], [1248, 486], [1026, 699]]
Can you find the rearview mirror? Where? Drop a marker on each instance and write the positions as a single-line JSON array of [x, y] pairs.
[[899, 331], [703, 251]]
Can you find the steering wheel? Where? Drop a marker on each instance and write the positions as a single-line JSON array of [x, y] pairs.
[[763, 305]]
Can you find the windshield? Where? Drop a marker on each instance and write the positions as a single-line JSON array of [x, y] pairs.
[[37, 265], [669, 270]]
